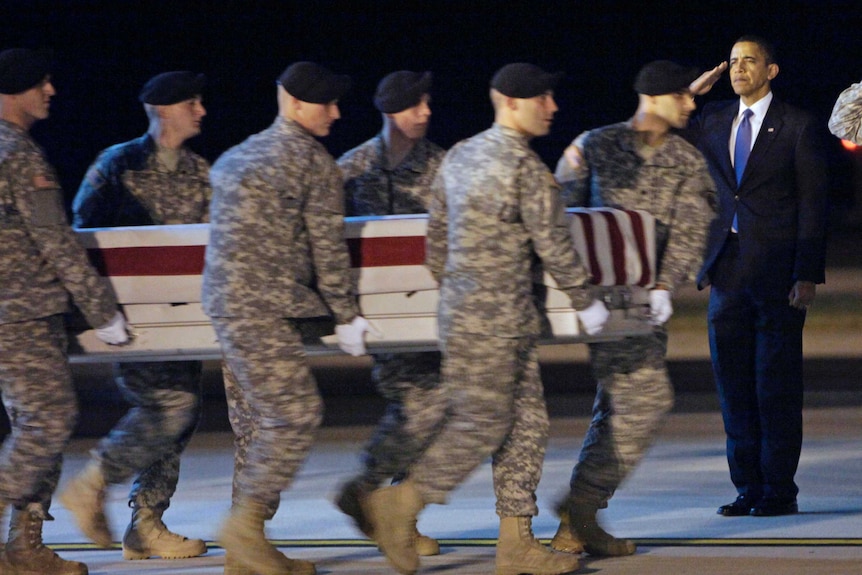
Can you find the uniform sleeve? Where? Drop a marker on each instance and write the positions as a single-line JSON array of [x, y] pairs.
[[574, 186], [846, 119], [436, 241], [94, 206], [545, 220], [324, 217], [41, 206], [695, 209]]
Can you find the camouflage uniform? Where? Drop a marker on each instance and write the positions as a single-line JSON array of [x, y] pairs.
[[42, 264], [128, 186], [409, 381], [276, 255], [495, 207], [846, 119], [633, 389]]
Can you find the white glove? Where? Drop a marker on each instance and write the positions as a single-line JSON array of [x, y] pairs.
[[114, 332], [659, 306], [351, 336], [594, 317]]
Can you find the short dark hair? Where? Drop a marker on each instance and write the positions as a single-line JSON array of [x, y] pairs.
[[765, 45]]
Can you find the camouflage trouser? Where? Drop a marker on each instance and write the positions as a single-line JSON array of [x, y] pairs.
[[416, 408], [273, 404], [633, 395], [40, 401], [148, 440], [496, 408]]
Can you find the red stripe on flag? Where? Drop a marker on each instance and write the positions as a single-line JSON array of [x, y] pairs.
[[618, 252], [589, 234], [387, 251], [189, 260], [640, 241], [149, 260]]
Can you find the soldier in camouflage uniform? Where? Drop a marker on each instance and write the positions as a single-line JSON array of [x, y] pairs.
[[41, 266], [392, 174], [495, 207], [846, 119], [152, 180], [276, 256], [640, 165]]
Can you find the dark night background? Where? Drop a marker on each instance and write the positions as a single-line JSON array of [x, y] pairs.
[[104, 51]]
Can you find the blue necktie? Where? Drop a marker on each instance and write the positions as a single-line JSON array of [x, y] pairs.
[[741, 151]]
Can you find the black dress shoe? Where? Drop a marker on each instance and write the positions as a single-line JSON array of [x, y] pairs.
[[742, 506], [773, 507]]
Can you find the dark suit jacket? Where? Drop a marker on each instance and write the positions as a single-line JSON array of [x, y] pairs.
[[782, 195]]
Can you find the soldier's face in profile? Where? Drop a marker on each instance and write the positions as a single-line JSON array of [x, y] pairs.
[[36, 102], [413, 122], [534, 116], [185, 117], [317, 118]]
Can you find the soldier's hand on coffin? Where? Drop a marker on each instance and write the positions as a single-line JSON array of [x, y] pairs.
[[660, 306], [594, 317], [351, 336], [114, 332]]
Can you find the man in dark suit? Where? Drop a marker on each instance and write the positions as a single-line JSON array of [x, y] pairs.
[[764, 256]]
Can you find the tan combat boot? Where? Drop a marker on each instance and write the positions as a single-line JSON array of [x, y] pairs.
[[518, 551], [352, 500], [85, 498], [242, 536], [147, 536], [392, 512], [564, 539], [234, 567], [596, 541], [25, 552]]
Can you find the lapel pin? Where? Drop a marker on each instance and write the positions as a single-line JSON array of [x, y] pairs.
[[770, 129]]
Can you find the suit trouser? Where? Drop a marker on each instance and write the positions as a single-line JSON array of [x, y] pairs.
[[497, 409], [40, 401], [148, 440], [274, 405], [755, 339], [633, 394]]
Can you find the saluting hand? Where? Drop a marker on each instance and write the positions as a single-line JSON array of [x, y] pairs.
[[707, 80]]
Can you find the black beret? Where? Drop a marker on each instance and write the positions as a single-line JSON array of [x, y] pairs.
[[313, 83], [21, 69], [401, 90], [524, 80], [172, 87], [664, 77]]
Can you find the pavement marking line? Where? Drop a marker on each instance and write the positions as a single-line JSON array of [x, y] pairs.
[[659, 542]]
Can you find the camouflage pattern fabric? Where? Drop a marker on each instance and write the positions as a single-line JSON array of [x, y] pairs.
[[276, 253], [634, 391], [128, 186], [846, 119], [40, 401], [673, 184], [408, 381], [276, 243], [495, 207], [496, 409], [43, 263], [148, 440], [372, 189], [273, 404]]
